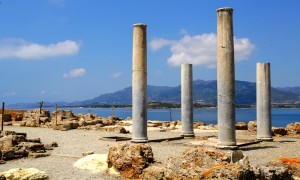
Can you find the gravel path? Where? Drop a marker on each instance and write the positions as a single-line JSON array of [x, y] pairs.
[[71, 145]]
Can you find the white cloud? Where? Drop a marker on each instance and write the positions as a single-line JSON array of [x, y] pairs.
[[9, 94], [242, 48], [200, 49], [18, 48], [75, 73], [44, 92], [116, 75], [159, 43]]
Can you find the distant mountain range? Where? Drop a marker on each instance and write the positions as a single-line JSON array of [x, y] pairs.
[[205, 92]]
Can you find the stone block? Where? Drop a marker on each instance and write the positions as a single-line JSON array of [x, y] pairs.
[[6, 142], [130, 159], [29, 173], [241, 126], [7, 154], [280, 131]]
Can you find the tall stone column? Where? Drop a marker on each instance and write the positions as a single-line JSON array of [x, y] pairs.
[[263, 102], [226, 80], [187, 100], [139, 84]]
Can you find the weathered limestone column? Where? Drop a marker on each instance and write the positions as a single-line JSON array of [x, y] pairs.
[[263, 102], [139, 84], [226, 80], [187, 100]]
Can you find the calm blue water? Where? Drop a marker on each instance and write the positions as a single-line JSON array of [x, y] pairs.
[[280, 117]]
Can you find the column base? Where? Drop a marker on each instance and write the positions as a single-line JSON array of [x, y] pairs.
[[139, 140], [188, 136], [227, 147], [265, 139]]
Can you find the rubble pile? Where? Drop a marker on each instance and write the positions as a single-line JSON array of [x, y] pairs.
[[15, 145], [65, 120], [130, 159], [212, 164], [34, 118], [293, 164], [293, 128]]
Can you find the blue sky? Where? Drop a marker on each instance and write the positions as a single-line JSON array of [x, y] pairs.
[[68, 50]]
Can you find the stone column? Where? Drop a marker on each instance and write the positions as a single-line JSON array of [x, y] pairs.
[[187, 100], [139, 84], [226, 80], [263, 102]]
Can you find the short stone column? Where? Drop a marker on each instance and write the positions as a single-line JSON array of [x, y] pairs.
[[187, 100], [226, 80], [139, 84], [263, 102]]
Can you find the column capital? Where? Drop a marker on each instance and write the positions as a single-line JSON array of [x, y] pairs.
[[228, 9], [139, 25]]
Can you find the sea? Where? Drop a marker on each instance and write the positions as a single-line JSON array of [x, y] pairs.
[[280, 116]]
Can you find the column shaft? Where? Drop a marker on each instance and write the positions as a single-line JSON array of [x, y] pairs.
[[187, 100], [263, 102], [139, 84], [226, 80]]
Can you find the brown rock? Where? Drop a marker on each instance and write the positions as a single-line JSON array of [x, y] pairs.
[[197, 124], [235, 156], [272, 172], [30, 146], [51, 145], [6, 117], [165, 124], [22, 123], [154, 123], [45, 119], [293, 164], [16, 116], [36, 140], [108, 121], [241, 126], [66, 126], [208, 164], [33, 123], [21, 153], [279, 131], [130, 159], [173, 124], [7, 154], [252, 125], [6, 142], [37, 155], [155, 172], [6, 133], [89, 117], [294, 128], [63, 115], [118, 129]]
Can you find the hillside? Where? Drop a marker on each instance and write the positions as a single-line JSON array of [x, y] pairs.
[[205, 92]]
